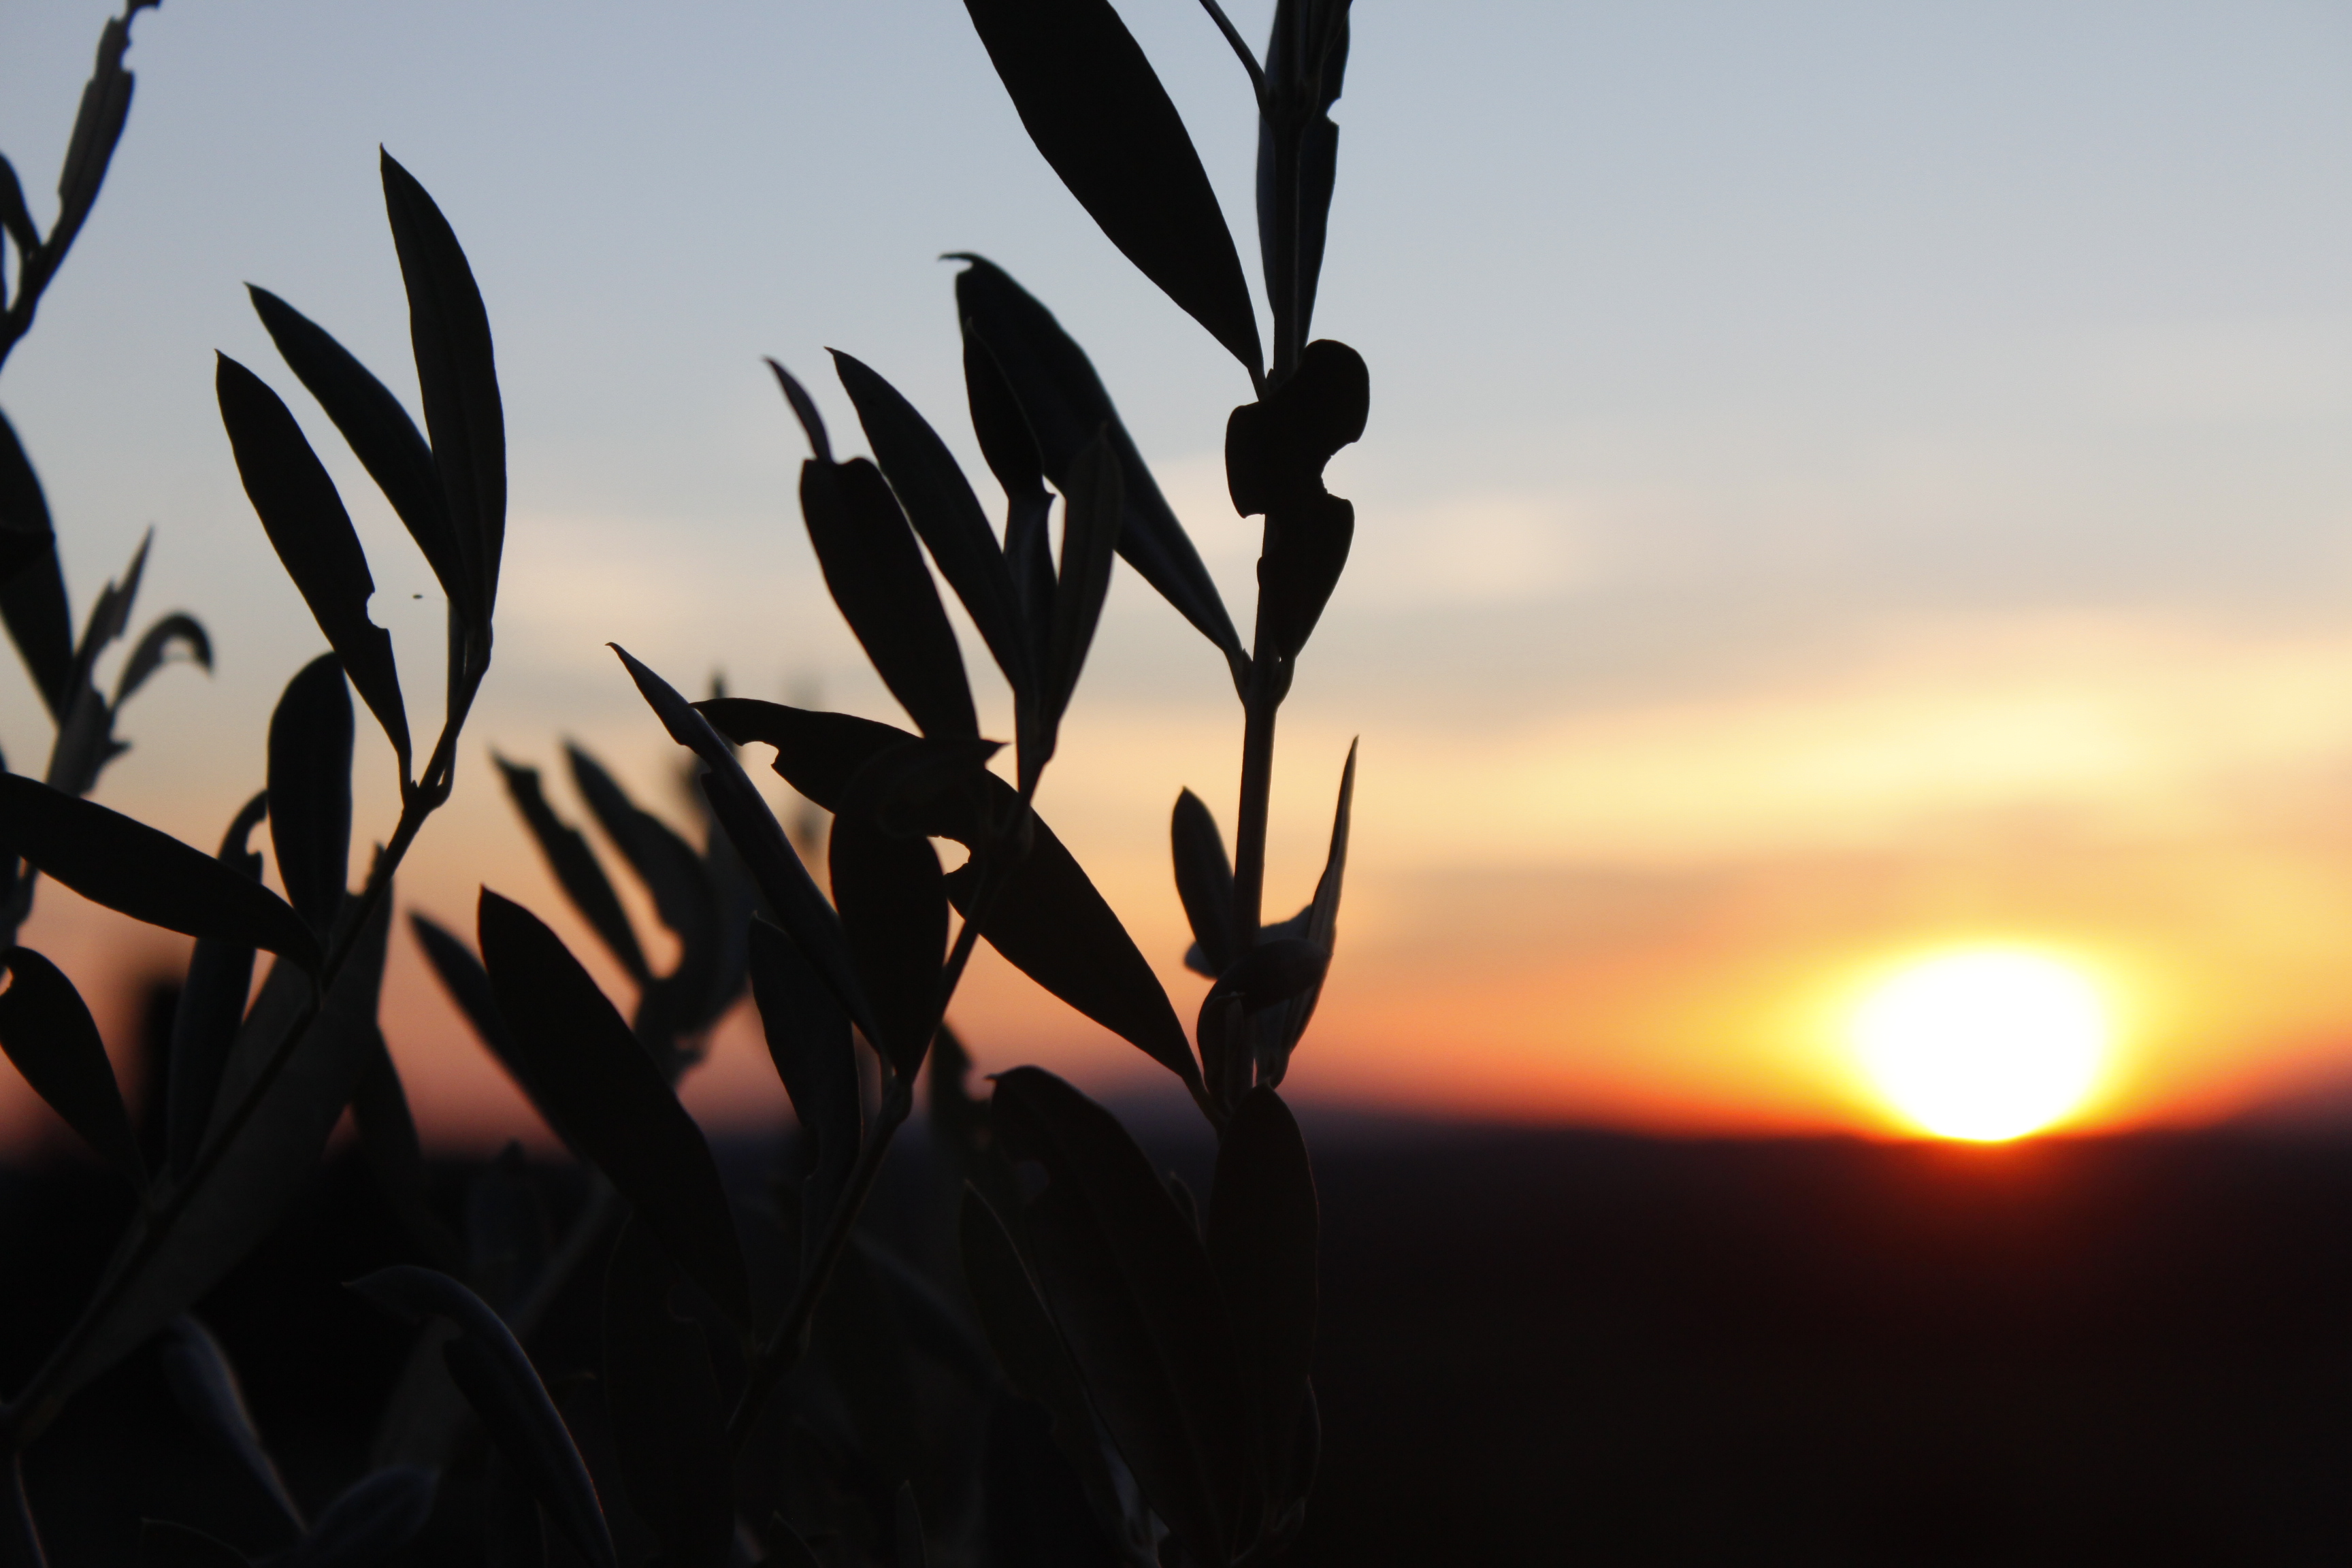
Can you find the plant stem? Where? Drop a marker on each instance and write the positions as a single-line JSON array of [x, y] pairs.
[[1258, 787]]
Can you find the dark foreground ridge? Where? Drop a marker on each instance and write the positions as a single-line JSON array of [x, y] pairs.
[[1554, 1347]]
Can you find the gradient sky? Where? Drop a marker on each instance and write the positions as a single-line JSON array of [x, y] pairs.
[[1843, 478]]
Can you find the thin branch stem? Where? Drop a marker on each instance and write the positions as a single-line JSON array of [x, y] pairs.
[[1233, 36], [1258, 787]]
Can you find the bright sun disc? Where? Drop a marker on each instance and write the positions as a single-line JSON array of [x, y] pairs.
[[1983, 1045]]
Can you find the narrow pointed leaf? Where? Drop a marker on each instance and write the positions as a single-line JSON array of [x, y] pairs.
[[48, 1033], [16, 218], [259, 1176], [207, 1388], [112, 859], [32, 588], [1046, 918], [1049, 923], [382, 435], [458, 373], [1261, 1240], [1006, 441], [1276, 452], [468, 985], [369, 1522], [1322, 924], [576, 868], [808, 1039], [505, 1390], [773, 863], [684, 896], [1306, 65], [314, 539], [1028, 1347], [939, 501], [1131, 1288], [311, 790], [805, 409], [1066, 407], [876, 577], [894, 909], [1090, 524], [608, 1098], [97, 128], [1204, 882], [669, 1430], [212, 1005], [1096, 109], [154, 648]]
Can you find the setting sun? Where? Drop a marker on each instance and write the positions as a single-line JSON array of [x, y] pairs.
[[1986, 1044]]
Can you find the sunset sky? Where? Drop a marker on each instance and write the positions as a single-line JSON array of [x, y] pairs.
[[1843, 481]]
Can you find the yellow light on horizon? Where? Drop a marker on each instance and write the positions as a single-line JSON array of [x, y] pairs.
[[1984, 1044]]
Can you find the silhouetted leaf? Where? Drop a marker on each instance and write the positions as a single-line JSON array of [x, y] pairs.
[[373, 1519], [1132, 1290], [48, 1033], [773, 863], [576, 868], [1047, 919], [260, 1175], [32, 589], [803, 409], [808, 1039], [669, 1429], [1322, 929], [1204, 882], [1306, 63], [468, 985], [314, 539], [154, 646], [382, 436], [458, 373], [1094, 109], [939, 501], [683, 897], [16, 218], [1012, 454], [112, 859], [609, 1101], [932, 1323], [818, 753], [505, 1391], [163, 1545], [1065, 406], [395, 1156], [894, 909], [1262, 1239], [98, 127], [212, 1005], [311, 790], [1028, 1346], [1270, 972], [1276, 452], [1090, 522], [1049, 923], [207, 1388], [877, 577]]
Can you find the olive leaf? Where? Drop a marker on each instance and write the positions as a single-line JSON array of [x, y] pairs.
[[1096, 110], [49, 1034], [311, 790]]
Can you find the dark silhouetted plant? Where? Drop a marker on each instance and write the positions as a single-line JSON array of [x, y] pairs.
[[252, 1093], [1111, 1369]]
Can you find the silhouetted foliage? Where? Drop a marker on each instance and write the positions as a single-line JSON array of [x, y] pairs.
[[1085, 1364]]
